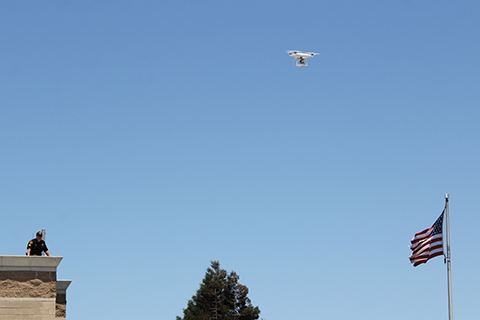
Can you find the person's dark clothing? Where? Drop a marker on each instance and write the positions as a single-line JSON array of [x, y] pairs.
[[36, 247]]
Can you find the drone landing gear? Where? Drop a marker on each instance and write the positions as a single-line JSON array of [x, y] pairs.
[[300, 62]]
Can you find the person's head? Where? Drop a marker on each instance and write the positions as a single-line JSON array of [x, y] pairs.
[[39, 235]]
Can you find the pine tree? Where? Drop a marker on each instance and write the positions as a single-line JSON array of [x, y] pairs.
[[220, 297]]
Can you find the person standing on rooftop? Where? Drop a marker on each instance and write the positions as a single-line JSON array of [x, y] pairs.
[[36, 246]]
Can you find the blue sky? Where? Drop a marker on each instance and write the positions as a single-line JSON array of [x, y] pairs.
[[152, 137]]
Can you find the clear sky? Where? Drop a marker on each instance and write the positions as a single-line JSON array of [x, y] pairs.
[[151, 137]]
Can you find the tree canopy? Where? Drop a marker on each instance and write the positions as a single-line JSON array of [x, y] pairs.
[[220, 297]]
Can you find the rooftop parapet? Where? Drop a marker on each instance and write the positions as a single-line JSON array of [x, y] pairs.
[[29, 263]]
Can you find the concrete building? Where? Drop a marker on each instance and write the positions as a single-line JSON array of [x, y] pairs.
[[29, 288]]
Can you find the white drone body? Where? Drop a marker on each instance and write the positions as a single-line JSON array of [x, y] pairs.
[[300, 58]]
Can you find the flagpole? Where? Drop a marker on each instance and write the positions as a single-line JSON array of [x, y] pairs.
[[448, 259]]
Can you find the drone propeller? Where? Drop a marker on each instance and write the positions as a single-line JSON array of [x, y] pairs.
[[299, 52]]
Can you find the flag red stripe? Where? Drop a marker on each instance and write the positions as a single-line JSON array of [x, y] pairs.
[[426, 241], [421, 235], [429, 254], [416, 262], [429, 243]]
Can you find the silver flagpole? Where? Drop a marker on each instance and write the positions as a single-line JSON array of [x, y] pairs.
[[448, 259]]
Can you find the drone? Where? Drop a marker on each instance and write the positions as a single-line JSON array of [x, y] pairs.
[[300, 58]]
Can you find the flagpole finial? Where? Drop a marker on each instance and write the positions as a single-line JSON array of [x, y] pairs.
[[446, 196]]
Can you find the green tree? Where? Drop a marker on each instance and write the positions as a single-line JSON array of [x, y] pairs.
[[220, 297]]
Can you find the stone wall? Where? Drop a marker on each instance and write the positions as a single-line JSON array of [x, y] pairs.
[[60, 310], [27, 284]]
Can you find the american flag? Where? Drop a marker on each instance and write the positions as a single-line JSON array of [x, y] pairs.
[[428, 243]]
